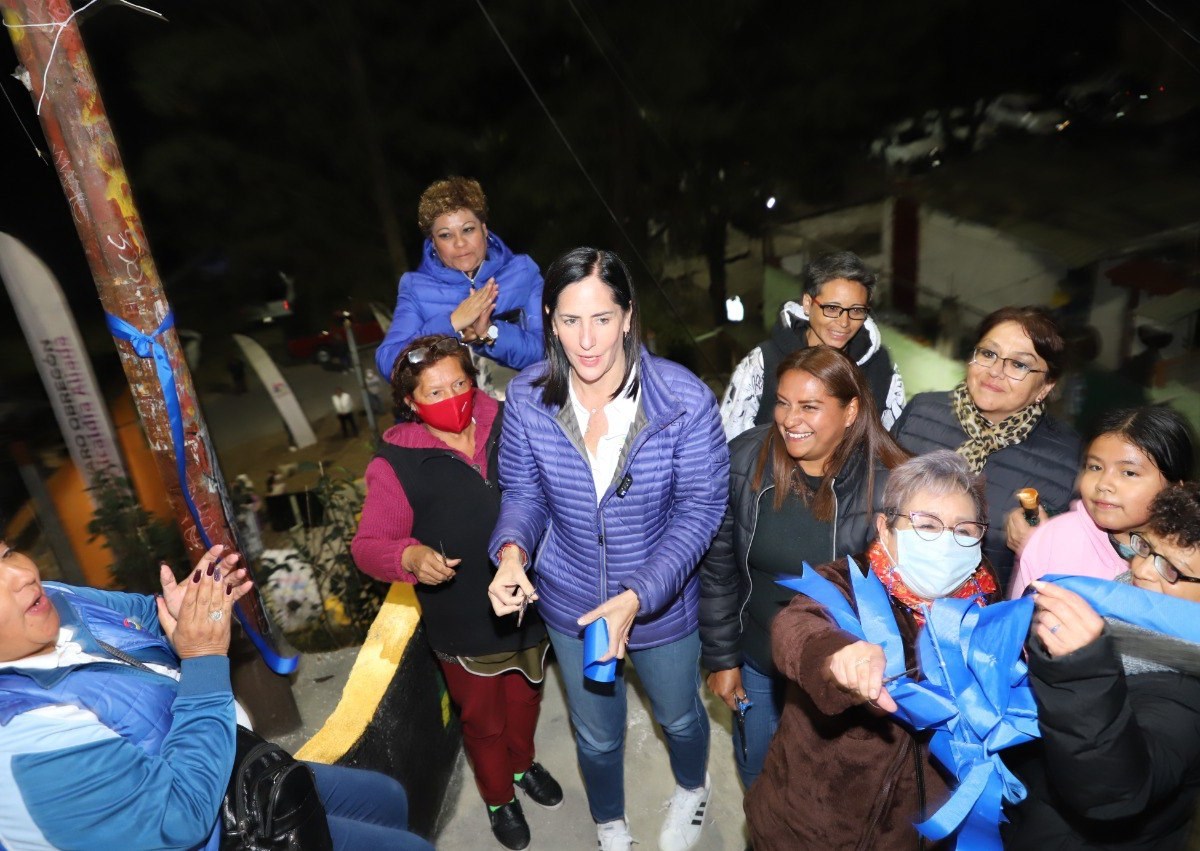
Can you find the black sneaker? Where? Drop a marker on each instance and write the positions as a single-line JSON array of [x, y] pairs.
[[509, 825], [541, 788]]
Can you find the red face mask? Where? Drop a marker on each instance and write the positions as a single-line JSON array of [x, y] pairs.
[[453, 414]]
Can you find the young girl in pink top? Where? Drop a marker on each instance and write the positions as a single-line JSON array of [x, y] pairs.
[[1136, 453]]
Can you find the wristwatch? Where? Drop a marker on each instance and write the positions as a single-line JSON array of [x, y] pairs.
[[493, 333]]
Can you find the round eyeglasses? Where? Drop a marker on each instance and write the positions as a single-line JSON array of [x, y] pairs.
[[834, 311], [1013, 368], [444, 346], [1169, 572], [929, 527]]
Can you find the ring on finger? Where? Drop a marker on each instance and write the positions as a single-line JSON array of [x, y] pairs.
[[1054, 629], [215, 615], [863, 661]]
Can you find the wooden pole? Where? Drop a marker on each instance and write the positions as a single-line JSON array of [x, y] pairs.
[[84, 153]]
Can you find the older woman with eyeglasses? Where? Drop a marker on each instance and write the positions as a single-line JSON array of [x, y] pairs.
[[1118, 763], [841, 772], [432, 500], [996, 420]]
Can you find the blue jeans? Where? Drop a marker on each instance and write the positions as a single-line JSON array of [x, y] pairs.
[[670, 674], [762, 719], [365, 809]]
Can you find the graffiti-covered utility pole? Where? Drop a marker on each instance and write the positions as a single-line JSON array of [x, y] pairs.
[[84, 152]]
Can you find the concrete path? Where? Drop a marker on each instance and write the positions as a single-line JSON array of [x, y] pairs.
[[648, 784]]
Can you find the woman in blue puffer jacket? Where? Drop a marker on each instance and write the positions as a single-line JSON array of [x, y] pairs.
[[614, 475], [469, 283]]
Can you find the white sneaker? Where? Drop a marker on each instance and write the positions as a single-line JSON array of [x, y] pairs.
[[686, 812], [613, 836]]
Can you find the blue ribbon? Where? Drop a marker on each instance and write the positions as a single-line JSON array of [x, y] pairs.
[[147, 346], [976, 697]]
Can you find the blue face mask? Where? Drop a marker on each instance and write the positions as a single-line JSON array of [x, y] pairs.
[[933, 569]]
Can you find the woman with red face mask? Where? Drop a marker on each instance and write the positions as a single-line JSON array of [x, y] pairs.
[[432, 500]]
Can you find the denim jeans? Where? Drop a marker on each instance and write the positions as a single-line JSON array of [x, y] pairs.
[[670, 674], [365, 809], [762, 719]]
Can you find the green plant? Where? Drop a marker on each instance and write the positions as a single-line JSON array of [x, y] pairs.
[[350, 598], [139, 541]]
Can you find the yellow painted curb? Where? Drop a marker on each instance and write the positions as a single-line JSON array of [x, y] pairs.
[[370, 677]]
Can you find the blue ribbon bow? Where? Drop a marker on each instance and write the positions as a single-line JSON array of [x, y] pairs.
[[148, 346], [976, 698]]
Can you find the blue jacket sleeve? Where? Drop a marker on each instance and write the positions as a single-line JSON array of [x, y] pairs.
[[701, 475], [519, 346], [89, 788], [409, 321], [524, 512]]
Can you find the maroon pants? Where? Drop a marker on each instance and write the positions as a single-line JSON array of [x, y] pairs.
[[498, 715]]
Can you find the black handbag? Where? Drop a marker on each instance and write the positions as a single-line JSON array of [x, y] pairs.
[[272, 802]]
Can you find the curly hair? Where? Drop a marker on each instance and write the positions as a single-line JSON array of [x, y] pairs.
[[1175, 515], [446, 196]]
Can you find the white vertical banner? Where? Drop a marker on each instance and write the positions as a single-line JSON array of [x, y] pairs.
[[381, 316], [61, 360], [280, 391]]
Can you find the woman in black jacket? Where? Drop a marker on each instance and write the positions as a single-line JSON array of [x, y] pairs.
[[1118, 763], [996, 420], [801, 489]]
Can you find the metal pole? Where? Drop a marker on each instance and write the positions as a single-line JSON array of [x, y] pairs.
[[85, 155], [348, 322]]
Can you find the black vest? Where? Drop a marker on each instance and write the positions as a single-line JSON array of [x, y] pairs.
[[455, 509]]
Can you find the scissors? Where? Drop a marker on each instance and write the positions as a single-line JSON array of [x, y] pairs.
[[524, 603], [741, 704], [907, 673]]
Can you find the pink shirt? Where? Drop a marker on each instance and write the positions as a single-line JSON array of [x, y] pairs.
[[1070, 543], [385, 530]]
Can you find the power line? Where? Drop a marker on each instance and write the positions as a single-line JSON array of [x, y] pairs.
[[1161, 37], [596, 189], [1168, 16]]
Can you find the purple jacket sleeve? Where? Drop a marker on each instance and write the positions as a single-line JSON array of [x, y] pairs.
[[701, 474], [524, 512]]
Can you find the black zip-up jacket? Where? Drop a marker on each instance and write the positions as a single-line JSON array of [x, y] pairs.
[[1118, 764], [725, 584]]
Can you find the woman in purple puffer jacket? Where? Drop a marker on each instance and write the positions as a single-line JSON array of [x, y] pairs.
[[614, 477]]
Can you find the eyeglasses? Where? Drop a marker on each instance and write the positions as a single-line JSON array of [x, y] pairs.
[[1166, 570], [929, 527], [834, 311], [1014, 369], [444, 346]]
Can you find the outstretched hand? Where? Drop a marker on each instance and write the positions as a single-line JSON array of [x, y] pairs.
[[857, 669], [172, 591]]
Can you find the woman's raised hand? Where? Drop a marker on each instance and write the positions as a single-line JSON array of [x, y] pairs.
[[1062, 620], [473, 306], [858, 670], [201, 625], [172, 591], [428, 565]]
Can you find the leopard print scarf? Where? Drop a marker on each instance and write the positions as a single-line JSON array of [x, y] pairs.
[[983, 437]]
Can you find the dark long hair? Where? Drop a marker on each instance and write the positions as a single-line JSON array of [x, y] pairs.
[[1158, 430], [845, 382], [571, 268]]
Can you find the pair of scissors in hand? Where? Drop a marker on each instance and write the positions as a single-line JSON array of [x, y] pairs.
[[741, 704], [525, 598]]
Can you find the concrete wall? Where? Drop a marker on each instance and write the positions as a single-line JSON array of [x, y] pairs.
[[980, 266]]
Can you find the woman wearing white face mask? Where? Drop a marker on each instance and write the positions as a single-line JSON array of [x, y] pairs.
[[837, 732]]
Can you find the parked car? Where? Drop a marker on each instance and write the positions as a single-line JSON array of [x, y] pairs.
[[1029, 113], [277, 291], [328, 347], [911, 144]]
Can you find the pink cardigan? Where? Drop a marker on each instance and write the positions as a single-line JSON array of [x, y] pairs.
[[1069, 543], [385, 530]]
